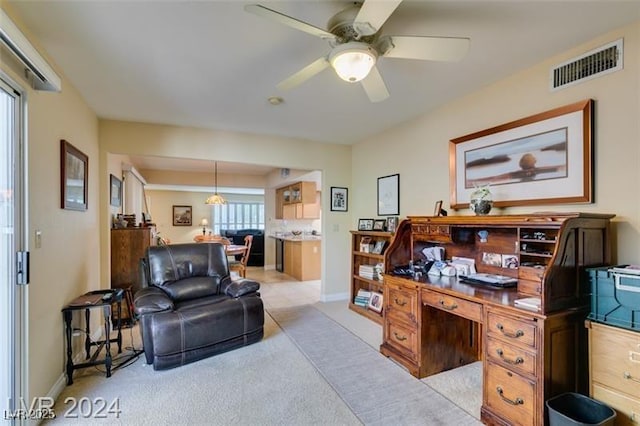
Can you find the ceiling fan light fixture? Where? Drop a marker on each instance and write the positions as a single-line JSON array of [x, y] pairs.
[[353, 61]]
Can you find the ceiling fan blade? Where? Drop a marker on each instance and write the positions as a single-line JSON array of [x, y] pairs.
[[374, 86], [373, 14], [425, 48], [289, 21], [304, 74]]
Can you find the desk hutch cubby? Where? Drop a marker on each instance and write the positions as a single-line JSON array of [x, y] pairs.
[[366, 257], [436, 323]]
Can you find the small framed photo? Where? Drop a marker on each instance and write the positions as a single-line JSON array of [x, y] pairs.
[[493, 259], [182, 216], [365, 224], [392, 223], [115, 191], [438, 209], [365, 244], [510, 261], [375, 302], [339, 199], [379, 224], [378, 248]]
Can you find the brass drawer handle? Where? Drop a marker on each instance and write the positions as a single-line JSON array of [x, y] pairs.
[[518, 333], [399, 338], [518, 360], [628, 376], [400, 303], [448, 308], [517, 401]]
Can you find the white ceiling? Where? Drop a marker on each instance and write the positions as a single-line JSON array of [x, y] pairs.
[[210, 64]]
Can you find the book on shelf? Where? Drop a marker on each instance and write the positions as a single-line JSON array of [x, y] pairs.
[[532, 303], [362, 298]]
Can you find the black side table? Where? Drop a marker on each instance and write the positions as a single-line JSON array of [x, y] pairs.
[[93, 299]]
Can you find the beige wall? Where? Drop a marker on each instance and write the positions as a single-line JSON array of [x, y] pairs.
[[67, 264], [421, 146]]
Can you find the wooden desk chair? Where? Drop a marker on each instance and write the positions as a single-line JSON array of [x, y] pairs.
[[241, 265]]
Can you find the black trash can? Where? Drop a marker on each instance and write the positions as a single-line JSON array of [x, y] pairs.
[[571, 409]]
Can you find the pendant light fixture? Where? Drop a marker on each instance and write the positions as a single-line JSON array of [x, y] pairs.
[[215, 199]]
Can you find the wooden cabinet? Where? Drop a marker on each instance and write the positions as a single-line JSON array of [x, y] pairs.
[[302, 259], [128, 246], [299, 200], [436, 323], [614, 367], [362, 245]]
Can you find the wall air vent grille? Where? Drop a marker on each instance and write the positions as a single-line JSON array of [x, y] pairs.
[[604, 60]]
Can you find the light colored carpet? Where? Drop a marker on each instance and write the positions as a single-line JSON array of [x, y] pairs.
[[462, 385], [267, 383], [377, 390]]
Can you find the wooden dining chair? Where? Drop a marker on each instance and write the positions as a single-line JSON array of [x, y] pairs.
[[240, 266]]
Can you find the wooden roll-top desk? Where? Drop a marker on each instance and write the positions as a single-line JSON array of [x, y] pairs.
[[436, 323]]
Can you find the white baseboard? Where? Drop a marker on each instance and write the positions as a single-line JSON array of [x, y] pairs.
[[78, 358], [335, 297], [269, 267]]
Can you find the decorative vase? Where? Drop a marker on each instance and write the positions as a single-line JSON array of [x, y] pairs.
[[481, 201]]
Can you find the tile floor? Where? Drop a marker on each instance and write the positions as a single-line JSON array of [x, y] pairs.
[[279, 290]]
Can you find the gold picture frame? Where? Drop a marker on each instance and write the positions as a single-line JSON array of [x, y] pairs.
[[542, 159]]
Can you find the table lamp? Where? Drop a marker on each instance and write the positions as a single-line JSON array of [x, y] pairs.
[[204, 222]]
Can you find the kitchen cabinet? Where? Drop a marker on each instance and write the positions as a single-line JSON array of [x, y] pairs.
[[302, 259], [299, 200]]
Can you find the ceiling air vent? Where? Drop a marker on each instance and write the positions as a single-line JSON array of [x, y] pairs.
[[603, 60]]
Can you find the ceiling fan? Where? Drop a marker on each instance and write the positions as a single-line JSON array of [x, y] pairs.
[[356, 44]]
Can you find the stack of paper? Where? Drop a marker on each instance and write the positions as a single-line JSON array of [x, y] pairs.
[[532, 303]]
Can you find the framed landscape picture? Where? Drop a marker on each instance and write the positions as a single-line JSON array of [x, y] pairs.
[[74, 177], [182, 216], [542, 159]]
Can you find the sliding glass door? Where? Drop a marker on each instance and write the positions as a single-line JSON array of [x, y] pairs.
[[12, 226]]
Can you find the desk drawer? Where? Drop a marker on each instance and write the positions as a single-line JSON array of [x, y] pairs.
[[402, 338], [615, 358], [511, 357], [517, 331], [510, 395], [402, 303], [455, 305], [627, 408]]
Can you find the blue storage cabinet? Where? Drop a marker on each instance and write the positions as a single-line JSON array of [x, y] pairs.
[[615, 296]]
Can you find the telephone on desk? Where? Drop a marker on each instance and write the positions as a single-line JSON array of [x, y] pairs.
[[412, 268]]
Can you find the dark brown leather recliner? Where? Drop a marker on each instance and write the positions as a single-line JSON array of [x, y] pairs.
[[191, 308]]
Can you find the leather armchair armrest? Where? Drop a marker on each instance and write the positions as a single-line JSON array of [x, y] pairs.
[[239, 287], [151, 300]]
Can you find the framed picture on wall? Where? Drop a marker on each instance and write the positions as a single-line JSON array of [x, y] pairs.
[[74, 177], [182, 216], [389, 195], [115, 191], [339, 199]]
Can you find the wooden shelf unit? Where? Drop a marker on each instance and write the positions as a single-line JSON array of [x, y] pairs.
[[358, 258], [436, 323]]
